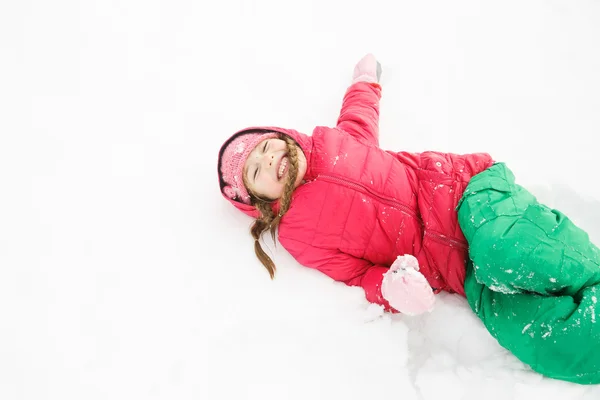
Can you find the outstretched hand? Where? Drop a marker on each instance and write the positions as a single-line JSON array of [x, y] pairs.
[[368, 69], [406, 289]]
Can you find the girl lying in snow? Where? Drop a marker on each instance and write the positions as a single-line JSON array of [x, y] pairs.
[[405, 226]]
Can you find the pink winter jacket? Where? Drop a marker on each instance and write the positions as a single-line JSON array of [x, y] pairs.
[[362, 206]]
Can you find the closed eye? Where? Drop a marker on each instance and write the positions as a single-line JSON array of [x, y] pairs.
[[264, 149]]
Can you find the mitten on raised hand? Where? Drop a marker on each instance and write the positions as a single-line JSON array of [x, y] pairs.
[[367, 69], [406, 289]]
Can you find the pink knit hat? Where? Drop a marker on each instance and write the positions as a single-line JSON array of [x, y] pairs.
[[232, 160]]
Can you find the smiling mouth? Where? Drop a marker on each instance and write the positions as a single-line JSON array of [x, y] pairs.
[[282, 167]]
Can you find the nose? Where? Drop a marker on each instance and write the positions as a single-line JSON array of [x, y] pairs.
[[268, 159]]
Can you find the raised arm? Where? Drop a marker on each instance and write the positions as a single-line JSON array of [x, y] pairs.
[[359, 116]]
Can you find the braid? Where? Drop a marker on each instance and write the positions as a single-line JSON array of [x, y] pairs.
[[268, 220], [286, 198]]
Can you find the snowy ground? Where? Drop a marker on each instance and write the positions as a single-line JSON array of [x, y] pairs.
[[124, 275]]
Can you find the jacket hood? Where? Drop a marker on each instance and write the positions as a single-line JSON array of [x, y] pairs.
[[304, 141]]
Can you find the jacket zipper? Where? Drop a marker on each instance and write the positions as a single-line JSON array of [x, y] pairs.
[[445, 239], [394, 203], [363, 189]]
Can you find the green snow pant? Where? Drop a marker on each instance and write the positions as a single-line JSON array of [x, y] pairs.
[[533, 277]]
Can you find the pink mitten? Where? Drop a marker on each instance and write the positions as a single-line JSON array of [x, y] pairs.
[[368, 69], [405, 288]]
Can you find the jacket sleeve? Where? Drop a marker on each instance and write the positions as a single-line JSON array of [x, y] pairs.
[[342, 267], [360, 112]]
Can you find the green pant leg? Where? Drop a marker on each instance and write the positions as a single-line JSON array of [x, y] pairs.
[[518, 245], [555, 335], [511, 236]]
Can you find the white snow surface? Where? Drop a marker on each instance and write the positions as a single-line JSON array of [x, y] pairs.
[[125, 275]]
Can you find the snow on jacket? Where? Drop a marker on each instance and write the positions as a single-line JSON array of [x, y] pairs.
[[362, 206]]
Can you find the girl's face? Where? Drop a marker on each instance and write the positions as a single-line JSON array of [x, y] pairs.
[[267, 168]]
